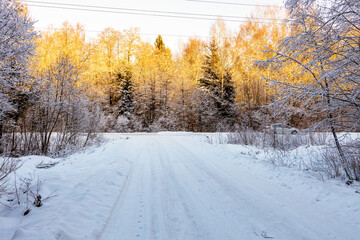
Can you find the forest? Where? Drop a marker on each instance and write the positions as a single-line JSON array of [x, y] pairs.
[[58, 88]]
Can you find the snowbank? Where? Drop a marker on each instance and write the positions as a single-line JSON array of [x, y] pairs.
[[81, 189]]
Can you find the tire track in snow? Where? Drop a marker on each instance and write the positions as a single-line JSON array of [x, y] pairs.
[[191, 179], [119, 200], [174, 192], [180, 199], [122, 192], [261, 210], [170, 216]]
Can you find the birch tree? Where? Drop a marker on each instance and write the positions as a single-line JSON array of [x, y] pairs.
[[324, 44]]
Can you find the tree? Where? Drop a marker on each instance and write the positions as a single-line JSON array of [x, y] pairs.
[[164, 67], [218, 86], [159, 43], [144, 79], [126, 93], [131, 40], [248, 46], [153, 75], [324, 43], [125, 114], [106, 62], [188, 72], [62, 106], [17, 45]]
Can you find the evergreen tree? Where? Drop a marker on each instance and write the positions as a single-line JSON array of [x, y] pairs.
[[126, 120], [159, 43], [126, 93], [218, 85]]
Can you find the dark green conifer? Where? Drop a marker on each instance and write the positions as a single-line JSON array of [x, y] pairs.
[[126, 93], [218, 85], [159, 43]]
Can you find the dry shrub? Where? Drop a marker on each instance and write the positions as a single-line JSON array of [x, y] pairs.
[[7, 166], [278, 149], [245, 137], [352, 165], [332, 164]]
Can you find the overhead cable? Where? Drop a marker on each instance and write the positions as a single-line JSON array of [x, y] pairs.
[[146, 34], [235, 3], [143, 12]]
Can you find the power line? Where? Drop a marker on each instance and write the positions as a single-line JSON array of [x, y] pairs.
[[233, 3], [140, 11], [146, 34], [130, 13]]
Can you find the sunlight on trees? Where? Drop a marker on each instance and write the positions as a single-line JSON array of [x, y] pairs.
[[303, 72]]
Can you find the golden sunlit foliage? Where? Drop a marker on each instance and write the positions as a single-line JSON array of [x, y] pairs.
[[68, 41], [59, 87], [165, 84], [251, 43]]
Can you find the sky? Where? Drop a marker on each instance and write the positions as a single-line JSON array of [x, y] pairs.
[[175, 31]]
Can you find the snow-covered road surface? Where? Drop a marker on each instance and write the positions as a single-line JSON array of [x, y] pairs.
[[178, 189], [170, 186]]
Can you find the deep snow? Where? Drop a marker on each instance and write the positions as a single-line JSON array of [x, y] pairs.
[[178, 186]]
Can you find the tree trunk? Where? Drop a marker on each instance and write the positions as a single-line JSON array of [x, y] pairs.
[[1, 135], [333, 131]]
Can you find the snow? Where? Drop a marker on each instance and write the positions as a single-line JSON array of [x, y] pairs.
[[82, 189], [178, 186]]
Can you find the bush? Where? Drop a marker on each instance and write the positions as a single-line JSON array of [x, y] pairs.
[[7, 166], [278, 149]]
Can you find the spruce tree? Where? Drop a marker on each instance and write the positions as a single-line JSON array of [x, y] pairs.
[[126, 95], [159, 43], [218, 85]]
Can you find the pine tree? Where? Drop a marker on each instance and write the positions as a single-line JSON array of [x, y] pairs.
[[218, 85]]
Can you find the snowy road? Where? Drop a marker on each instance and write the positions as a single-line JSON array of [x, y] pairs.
[[176, 189]]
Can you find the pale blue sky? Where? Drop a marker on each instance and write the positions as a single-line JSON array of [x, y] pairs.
[[97, 21]]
